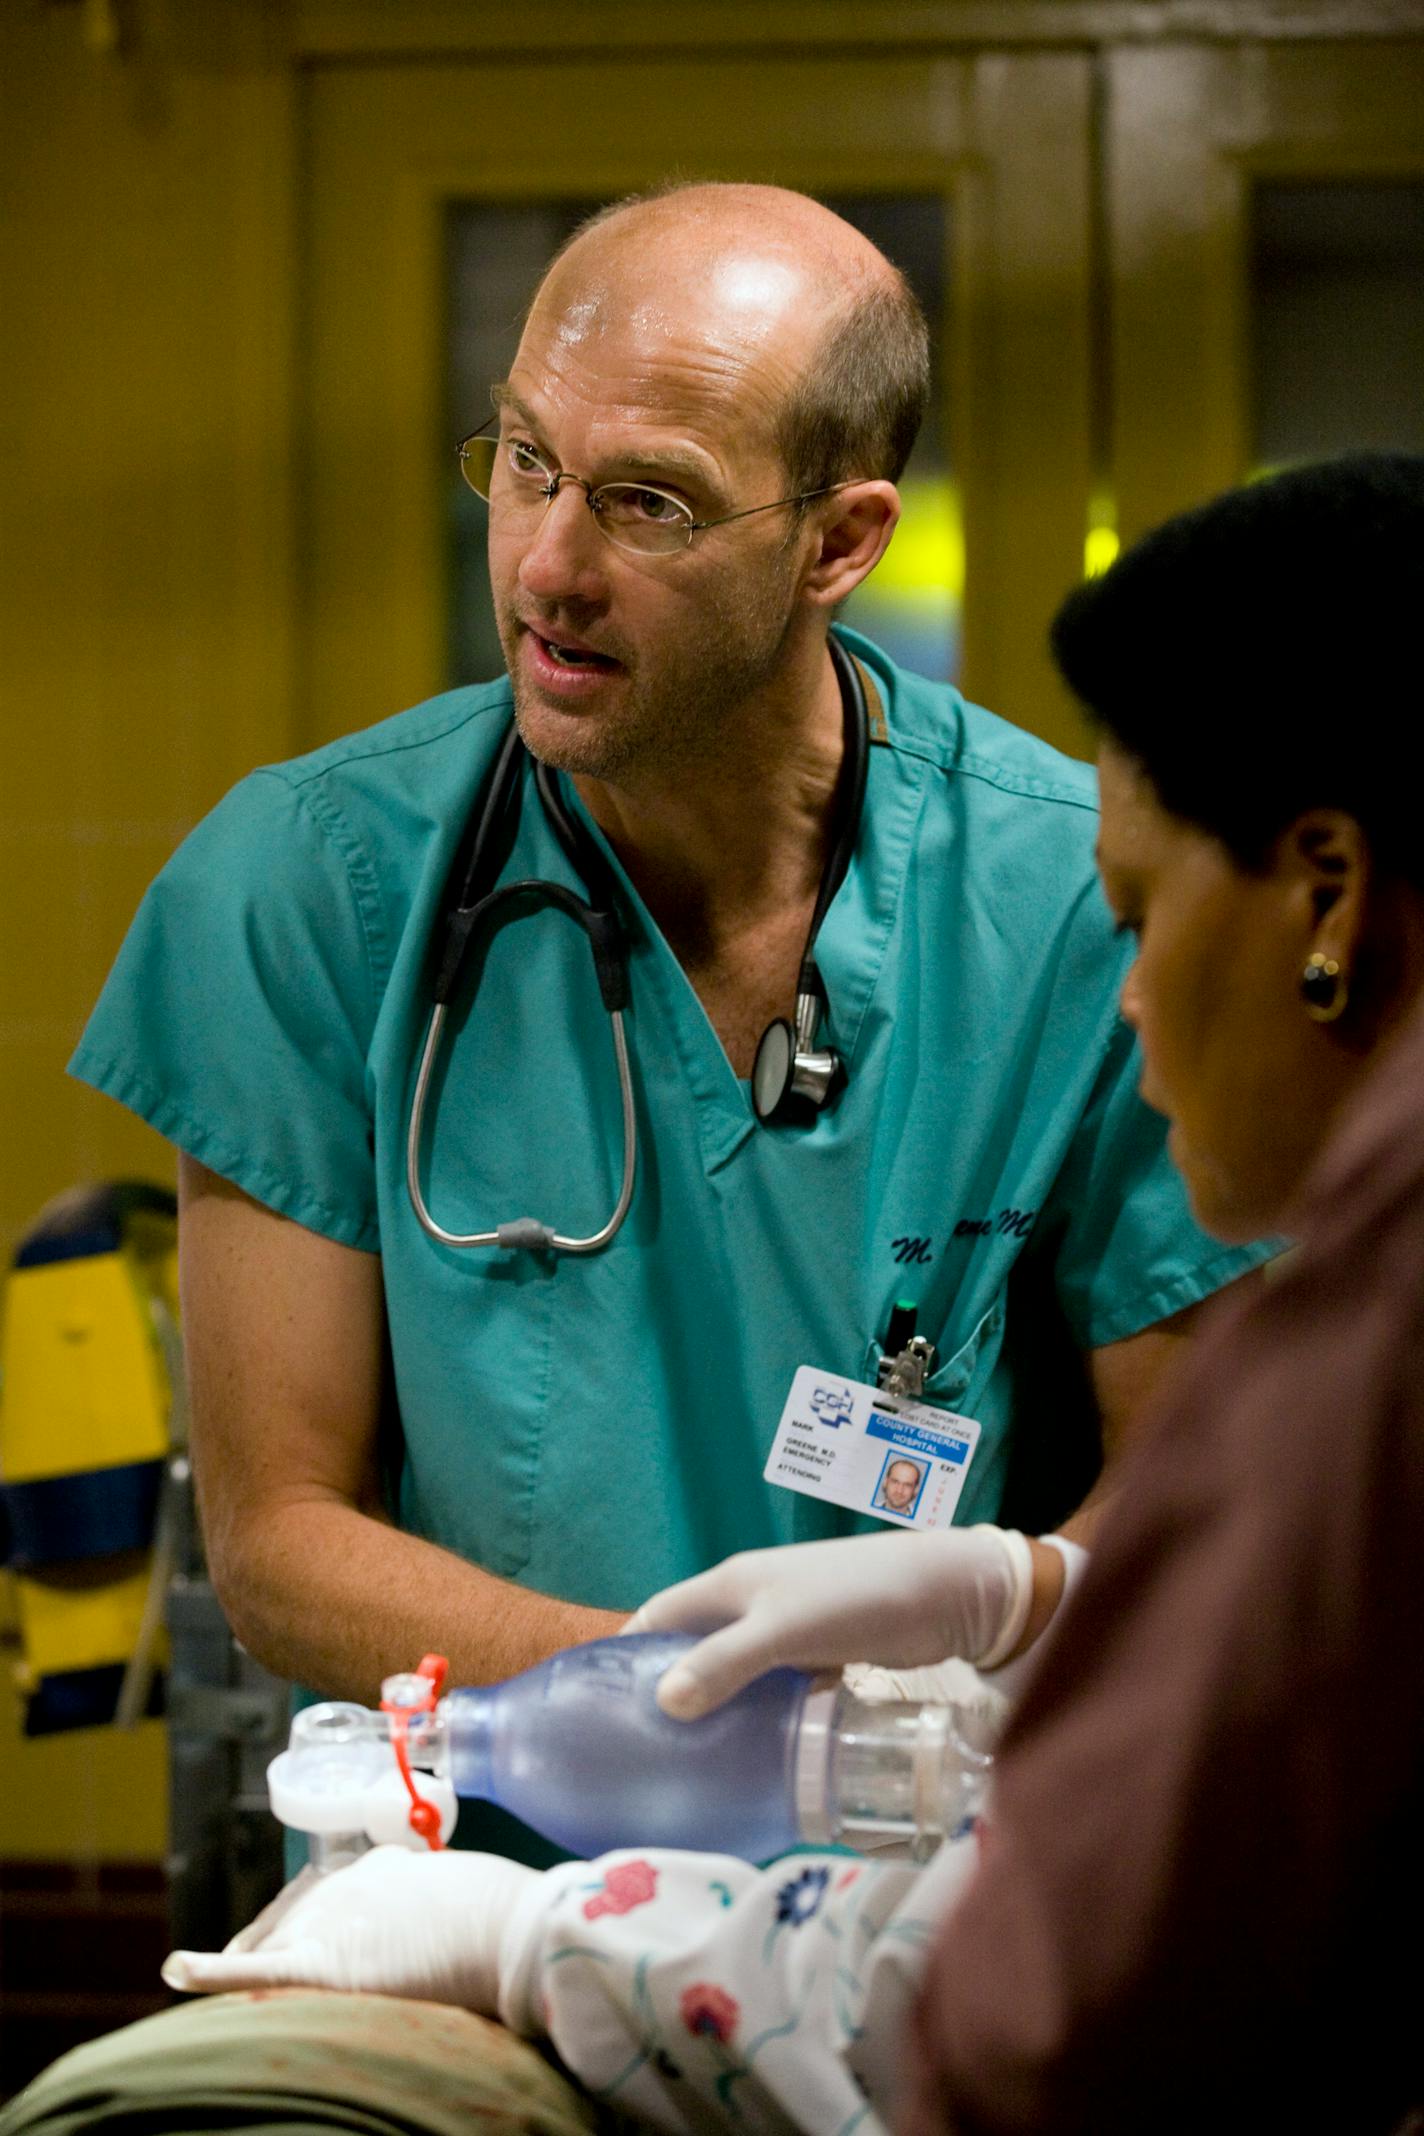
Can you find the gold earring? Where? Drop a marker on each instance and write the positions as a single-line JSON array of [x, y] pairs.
[[1324, 988]]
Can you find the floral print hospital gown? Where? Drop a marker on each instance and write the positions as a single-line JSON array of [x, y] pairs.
[[697, 1993]]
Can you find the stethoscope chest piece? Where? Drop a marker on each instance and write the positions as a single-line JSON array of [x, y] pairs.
[[793, 1079]]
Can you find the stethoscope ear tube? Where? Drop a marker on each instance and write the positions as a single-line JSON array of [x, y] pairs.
[[610, 957], [524, 1233], [476, 865], [453, 951], [604, 930]]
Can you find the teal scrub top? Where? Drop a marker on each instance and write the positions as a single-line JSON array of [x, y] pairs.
[[596, 1427]]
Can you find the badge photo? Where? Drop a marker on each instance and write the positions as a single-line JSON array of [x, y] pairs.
[[873, 1452]]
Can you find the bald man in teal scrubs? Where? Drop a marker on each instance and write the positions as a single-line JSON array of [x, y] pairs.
[[577, 1431]]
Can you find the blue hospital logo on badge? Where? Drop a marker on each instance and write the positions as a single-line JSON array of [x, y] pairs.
[[833, 1405], [902, 1461]]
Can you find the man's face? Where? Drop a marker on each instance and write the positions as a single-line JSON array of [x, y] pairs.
[[615, 385], [902, 1480]]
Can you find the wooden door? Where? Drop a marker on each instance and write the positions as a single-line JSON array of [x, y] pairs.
[[1265, 216]]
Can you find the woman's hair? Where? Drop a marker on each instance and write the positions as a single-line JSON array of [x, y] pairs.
[[1264, 655]]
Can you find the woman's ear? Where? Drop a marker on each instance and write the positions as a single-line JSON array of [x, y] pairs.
[[1326, 852], [855, 534]]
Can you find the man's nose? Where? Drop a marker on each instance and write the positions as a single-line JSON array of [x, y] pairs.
[[1128, 1000], [564, 557]]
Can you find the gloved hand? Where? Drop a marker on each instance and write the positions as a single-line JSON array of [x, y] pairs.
[[943, 1683], [897, 1600], [395, 1923], [958, 1683]]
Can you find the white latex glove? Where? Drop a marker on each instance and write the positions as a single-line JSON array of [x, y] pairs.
[[394, 1923], [941, 1683], [897, 1600], [1010, 1680]]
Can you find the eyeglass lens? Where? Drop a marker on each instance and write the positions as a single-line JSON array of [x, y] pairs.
[[632, 516]]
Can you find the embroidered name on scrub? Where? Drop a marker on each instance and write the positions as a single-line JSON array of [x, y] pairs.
[[874, 1452]]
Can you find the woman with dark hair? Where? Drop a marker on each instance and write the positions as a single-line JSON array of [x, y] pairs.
[[1199, 1904]]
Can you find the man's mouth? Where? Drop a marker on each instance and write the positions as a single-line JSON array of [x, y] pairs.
[[566, 653]]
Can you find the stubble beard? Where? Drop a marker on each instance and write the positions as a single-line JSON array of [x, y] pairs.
[[677, 716]]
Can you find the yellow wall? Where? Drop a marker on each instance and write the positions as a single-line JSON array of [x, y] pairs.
[[143, 584], [145, 590]]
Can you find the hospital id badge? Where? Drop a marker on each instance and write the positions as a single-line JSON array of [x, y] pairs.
[[901, 1460]]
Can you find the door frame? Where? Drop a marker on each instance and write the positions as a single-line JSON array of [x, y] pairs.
[[1190, 129]]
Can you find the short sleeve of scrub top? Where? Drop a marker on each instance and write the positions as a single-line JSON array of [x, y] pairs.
[[238, 1014], [1115, 1219]]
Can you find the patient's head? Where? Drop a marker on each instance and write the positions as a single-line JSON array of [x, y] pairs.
[[1254, 671]]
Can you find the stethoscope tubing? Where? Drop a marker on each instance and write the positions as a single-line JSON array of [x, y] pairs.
[[524, 1231], [600, 921]]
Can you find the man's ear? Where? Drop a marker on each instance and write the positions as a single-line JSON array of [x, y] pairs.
[[1327, 856], [855, 533]]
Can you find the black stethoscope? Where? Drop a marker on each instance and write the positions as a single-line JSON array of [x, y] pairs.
[[792, 1078]]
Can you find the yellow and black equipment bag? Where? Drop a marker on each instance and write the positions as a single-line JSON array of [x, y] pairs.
[[90, 1410]]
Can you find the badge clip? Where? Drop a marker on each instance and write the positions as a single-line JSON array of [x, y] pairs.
[[907, 1359]]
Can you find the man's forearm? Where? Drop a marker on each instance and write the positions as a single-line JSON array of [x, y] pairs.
[[335, 1599], [1128, 1377]]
